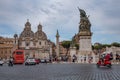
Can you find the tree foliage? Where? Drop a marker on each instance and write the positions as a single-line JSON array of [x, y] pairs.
[[106, 45], [66, 44], [77, 46], [97, 47], [115, 44], [101, 46]]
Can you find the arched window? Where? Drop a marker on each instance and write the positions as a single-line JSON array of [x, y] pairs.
[[40, 43], [27, 44]]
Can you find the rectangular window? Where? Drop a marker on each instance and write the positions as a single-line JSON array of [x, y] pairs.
[[19, 53]]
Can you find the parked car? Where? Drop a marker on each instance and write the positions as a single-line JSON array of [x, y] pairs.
[[1, 62], [48, 60], [44, 60], [37, 61], [30, 61]]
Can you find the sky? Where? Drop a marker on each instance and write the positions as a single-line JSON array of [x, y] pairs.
[[61, 15]]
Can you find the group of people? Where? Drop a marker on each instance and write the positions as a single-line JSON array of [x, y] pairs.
[[86, 59]]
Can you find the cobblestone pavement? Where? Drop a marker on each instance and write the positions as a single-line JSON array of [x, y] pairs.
[[59, 72]]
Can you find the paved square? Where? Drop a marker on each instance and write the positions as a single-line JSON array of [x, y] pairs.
[[59, 72]]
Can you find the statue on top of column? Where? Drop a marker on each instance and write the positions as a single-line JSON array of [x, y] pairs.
[[82, 13], [84, 21]]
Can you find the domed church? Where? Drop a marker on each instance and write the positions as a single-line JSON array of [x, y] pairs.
[[34, 44]]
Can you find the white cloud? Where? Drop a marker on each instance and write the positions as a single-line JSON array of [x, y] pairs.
[[62, 15]]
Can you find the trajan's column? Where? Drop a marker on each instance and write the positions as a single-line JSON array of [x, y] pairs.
[[85, 34], [57, 44]]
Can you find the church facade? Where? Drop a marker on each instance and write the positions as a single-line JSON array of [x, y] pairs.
[[34, 44]]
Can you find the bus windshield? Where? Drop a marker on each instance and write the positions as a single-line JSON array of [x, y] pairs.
[[19, 52]]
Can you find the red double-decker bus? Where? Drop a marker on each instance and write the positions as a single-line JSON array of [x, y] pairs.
[[18, 57]]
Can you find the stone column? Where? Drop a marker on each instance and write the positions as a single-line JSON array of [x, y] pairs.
[[57, 44]]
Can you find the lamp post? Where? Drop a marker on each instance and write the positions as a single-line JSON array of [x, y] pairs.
[[16, 43]]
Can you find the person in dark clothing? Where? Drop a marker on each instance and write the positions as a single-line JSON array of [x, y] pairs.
[[117, 57], [73, 60], [111, 56], [45, 60], [10, 62], [85, 59]]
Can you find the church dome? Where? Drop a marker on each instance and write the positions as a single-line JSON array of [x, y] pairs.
[[40, 34], [44, 36], [27, 24], [27, 32]]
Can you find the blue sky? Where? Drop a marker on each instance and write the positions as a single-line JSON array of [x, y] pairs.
[[62, 15]]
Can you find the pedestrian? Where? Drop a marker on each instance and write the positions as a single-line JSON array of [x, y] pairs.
[[84, 59], [10, 62], [111, 56], [81, 59], [45, 60], [73, 59], [117, 58], [90, 59]]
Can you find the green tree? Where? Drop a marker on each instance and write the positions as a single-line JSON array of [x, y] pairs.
[[98, 47], [66, 44], [115, 44], [93, 47], [106, 45], [77, 46]]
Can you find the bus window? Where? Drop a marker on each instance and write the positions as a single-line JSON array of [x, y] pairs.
[[19, 52]]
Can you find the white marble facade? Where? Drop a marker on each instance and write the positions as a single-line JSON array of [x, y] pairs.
[[85, 54], [85, 43]]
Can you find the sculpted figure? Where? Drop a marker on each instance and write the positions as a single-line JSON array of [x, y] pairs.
[[82, 13], [84, 22]]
